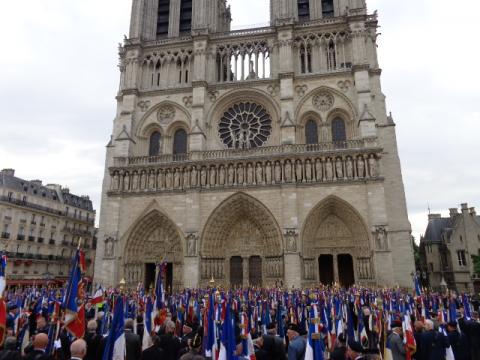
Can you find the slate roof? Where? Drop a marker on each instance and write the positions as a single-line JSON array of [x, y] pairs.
[[30, 188], [436, 228]]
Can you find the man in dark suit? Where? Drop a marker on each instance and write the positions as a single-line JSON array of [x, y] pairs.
[[154, 352], [434, 344], [169, 343], [340, 350], [93, 341], [471, 329], [132, 342], [458, 341], [40, 343]]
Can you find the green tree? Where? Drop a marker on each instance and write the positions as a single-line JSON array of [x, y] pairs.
[[476, 264]]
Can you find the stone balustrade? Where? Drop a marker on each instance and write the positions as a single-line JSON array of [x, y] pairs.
[[216, 170]]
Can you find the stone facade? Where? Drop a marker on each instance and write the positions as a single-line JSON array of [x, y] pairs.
[[40, 230], [447, 248], [257, 156]]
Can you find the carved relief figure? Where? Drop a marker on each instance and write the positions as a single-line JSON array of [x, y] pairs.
[[231, 175], [288, 171], [126, 182], [308, 170], [339, 168], [194, 177], [268, 173], [213, 176], [381, 238], [186, 178], [135, 181], [249, 174], [318, 170], [349, 168], [161, 179], [259, 174], [291, 239], [221, 175], [372, 164], [177, 179], [299, 170], [192, 245], [278, 172], [240, 173], [151, 181], [109, 247], [360, 167], [168, 179], [329, 170], [203, 177]]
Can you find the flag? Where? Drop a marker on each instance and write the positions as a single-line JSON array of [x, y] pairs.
[[74, 296], [209, 326], [408, 337], [98, 297], [115, 348], [148, 323], [3, 272], [314, 350], [416, 283], [159, 289]]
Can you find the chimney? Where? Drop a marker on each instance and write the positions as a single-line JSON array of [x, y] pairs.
[[464, 208], [453, 212], [66, 190], [434, 216], [36, 182], [473, 212], [8, 172]]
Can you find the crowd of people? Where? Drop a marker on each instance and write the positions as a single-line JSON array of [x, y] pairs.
[[263, 324]]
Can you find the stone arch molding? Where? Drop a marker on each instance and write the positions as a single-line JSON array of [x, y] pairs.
[[335, 225], [244, 95], [241, 226], [161, 116], [153, 238]]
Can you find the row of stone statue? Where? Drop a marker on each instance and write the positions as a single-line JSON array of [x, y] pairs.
[[250, 173]]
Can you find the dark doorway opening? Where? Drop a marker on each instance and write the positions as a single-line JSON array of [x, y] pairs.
[[150, 270], [236, 271], [345, 270], [255, 271], [325, 265]]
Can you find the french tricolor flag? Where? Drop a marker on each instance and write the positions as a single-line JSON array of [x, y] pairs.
[[148, 323], [314, 349], [115, 348]]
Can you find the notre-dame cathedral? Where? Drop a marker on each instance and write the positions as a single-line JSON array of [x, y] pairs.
[[254, 157]]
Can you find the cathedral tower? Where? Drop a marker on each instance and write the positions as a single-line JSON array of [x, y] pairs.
[[255, 156]]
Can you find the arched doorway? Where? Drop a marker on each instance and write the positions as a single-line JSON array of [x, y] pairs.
[[335, 235], [153, 239], [242, 243]]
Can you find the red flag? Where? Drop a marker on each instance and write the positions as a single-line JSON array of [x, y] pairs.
[[3, 321]]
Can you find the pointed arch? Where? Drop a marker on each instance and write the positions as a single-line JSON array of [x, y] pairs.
[[241, 211], [334, 223]]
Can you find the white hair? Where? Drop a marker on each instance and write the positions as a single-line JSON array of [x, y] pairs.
[[429, 324]]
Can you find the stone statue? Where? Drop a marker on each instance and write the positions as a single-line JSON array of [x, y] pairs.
[[329, 170], [151, 181], [268, 173], [381, 238], [126, 182], [240, 173], [308, 170], [291, 236], [349, 168], [177, 179], [213, 176], [192, 245], [249, 174], [135, 181], [299, 170], [339, 168], [288, 171], [231, 175], [361, 167], [186, 178], [259, 174], [372, 164], [203, 177], [109, 247], [194, 177], [221, 175], [168, 179], [278, 172], [142, 180], [161, 179], [115, 181], [318, 170]]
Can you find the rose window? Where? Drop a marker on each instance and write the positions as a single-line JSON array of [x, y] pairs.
[[245, 125]]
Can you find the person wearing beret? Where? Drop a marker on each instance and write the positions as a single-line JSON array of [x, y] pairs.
[[297, 344], [355, 351], [395, 341]]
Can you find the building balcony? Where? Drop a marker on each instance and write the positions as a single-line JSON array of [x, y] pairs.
[[30, 205], [40, 240], [344, 162], [5, 235], [51, 241], [78, 232], [21, 237], [31, 238]]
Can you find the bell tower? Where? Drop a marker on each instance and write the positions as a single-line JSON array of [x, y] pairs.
[[157, 19]]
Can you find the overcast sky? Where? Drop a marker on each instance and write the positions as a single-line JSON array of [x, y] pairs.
[[58, 80]]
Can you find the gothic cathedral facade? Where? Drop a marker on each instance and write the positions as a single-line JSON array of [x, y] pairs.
[[254, 157]]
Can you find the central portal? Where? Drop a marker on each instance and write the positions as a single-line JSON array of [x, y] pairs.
[[236, 271], [325, 264]]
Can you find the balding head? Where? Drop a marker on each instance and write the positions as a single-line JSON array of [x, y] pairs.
[[40, 341], [79, 348]]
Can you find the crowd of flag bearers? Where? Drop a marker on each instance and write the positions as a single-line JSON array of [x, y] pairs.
[[216, 323]]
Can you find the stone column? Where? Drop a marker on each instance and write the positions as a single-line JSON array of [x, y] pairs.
[[191, 272]]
